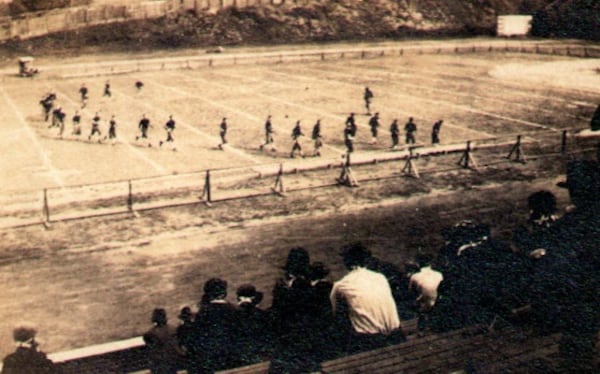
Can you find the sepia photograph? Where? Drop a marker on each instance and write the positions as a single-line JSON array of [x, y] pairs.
[[299, 186]]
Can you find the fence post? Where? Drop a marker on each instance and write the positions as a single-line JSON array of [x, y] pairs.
[[46, 209], [206, 190], [516, 150], [467, 160], [346, 177], [563, 142], [401, 53], [210, 62], [322, 56], [362, 54], [409, 167], [130, 199], [278, 187]]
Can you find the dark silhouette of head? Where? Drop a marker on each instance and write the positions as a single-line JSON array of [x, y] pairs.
[[215, 289], [541, 203], [298, 262], [159, 317], [355, 254]]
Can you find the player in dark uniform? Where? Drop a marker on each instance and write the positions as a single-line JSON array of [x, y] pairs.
[[368, 96], [223, 132], [296, 134], [112, 129], [374, 124], [95, 128], [55, 116], [395, 133], [435, 132], [269, 134], [143, 126], [169, 127], [350, 121], [83, 92], [410, 128], [76, 123], [107, 89], [47, 103], [60, 119], [316, 136], [349, 138]]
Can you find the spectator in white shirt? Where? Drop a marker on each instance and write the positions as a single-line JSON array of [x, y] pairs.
[[367, 298]]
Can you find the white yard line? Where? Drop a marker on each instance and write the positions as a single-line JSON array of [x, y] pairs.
[[156, 166], [54, 173], [454, 106], [272, 98], [451, 92], [446, 123]]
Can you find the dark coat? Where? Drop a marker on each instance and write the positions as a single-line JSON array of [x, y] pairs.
[[28, 361], [163, 349]]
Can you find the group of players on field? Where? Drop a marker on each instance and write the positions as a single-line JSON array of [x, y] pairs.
[[58, 116]]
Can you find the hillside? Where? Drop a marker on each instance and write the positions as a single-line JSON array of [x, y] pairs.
[[569, 19], [325, 20]]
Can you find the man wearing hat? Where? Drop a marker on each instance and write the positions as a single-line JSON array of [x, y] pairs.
[[214, 328], [365, 296], [374, 124], [253, 335], [162, 345], [27, 359], [223, 132]]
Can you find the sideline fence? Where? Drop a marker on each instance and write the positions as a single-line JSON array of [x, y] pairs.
[[315, 55], [218, 185]]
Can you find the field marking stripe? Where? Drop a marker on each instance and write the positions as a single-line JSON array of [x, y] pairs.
[[202, 133], [456, 106], [273, 98], [34, 140], [446, 91], [159, 168], [519, 86], [332, 82]]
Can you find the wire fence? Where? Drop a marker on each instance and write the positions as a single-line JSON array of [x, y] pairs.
[[224, 59], [219, 185]]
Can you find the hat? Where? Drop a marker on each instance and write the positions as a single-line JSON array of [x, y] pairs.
[[249, 291], [297, 262], [318, 270], [24, 333], [583, 181], [159, 316], [542, 202], [185, 313], [215, 288], [355, 254]]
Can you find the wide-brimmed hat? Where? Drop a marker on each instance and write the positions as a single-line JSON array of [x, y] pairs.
[[248, 291], [298, 261], [24, 333], [185, 313], [215, 288], [318, 270]]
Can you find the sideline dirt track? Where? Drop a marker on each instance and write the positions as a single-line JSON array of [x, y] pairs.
[[93, 281]]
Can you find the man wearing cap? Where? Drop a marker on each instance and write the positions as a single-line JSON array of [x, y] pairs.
[[223, 132], [162, 345], [367, 299], [27, 359]]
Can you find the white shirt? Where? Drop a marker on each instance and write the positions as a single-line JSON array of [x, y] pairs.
[[371, 306], [426, 282]]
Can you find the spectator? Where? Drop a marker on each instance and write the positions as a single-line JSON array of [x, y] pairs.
[[542, 215], [410, 128], [214, 329], [27, 358], [567, 276], [293, 318], [162, 345], [425, 283], [185, 335], [365, 297], [253, 328]]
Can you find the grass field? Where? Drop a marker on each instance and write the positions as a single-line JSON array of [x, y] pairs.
[[95, 281]]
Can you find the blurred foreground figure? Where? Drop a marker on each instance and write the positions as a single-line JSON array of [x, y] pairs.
[[27, 359]]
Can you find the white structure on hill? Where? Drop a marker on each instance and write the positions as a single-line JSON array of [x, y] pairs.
[[514, 25]]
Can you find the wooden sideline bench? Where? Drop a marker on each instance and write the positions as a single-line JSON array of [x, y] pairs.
[[471, 348]]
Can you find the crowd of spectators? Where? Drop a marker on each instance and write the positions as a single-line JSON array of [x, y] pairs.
[[549, 271]]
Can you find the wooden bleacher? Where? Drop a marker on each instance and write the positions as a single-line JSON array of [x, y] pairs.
[[471, 349]]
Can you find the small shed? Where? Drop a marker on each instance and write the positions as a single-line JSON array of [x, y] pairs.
[[514, 25]]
